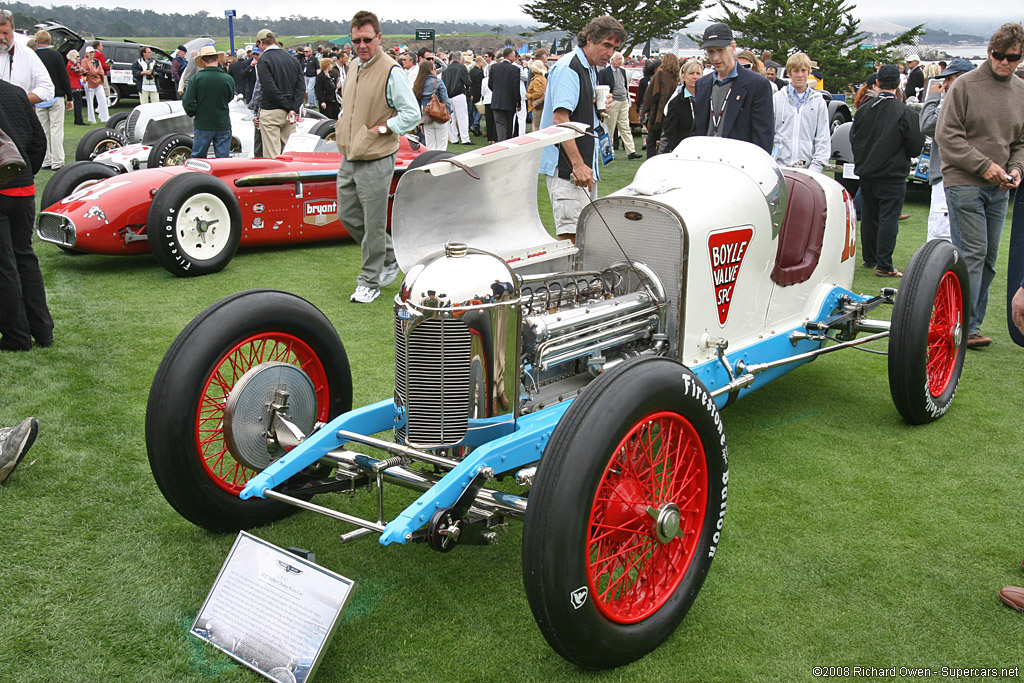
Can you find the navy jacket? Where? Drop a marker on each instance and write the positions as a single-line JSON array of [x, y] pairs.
[[749, 114], [504, 84]]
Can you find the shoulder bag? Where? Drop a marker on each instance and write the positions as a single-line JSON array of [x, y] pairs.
[[11, 161]]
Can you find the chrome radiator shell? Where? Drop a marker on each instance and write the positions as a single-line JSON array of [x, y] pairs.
[[56, 229], [457, 339]]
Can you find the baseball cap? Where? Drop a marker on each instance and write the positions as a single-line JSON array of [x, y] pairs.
[[912, 56], [264, 34], [90, 49], [888, 73], [717, 35], [957, 66], [256, 51]]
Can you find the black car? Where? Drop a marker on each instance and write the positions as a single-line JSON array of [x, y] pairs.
[[120, 54]]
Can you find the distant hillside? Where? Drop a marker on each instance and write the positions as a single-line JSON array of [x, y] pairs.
[[95, 21]]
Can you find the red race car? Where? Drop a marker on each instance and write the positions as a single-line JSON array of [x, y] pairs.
[[206, 208]]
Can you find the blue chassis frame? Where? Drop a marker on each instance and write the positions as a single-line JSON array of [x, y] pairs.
[[496, 444]]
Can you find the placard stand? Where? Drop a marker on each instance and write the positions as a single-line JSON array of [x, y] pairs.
[[272, 611]]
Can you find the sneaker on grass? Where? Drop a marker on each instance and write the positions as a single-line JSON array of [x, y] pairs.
[[14, 444], [364, 295], [388, 275]]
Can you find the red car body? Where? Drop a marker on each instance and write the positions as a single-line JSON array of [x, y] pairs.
[[289, 199]]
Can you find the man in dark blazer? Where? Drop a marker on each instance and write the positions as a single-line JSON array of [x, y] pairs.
[[505, 100], [732, 102]]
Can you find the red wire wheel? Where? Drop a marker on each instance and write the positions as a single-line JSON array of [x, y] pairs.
[[220, 465], [185, 437], [943, 331], [625, 513], [646, 518], [927, 337]]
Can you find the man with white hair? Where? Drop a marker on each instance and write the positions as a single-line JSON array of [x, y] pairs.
[[616, 78], [20, 66], [915, 76]]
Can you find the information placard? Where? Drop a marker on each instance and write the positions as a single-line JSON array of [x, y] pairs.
[[272, 611]]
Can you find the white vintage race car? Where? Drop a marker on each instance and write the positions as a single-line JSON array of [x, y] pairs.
[[160, 134], [589, 374]]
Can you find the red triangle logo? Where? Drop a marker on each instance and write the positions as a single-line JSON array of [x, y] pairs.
[[725, 254]]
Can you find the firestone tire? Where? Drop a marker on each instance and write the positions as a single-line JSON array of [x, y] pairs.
[[325, 129], [170, 150], [194, 225], [928, 337], [98, 141], [606, 578], [184, 417]]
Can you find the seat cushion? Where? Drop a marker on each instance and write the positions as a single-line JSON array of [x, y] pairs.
[[803, 230]]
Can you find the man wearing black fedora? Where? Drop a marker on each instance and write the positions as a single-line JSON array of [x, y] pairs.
[[732, 102]]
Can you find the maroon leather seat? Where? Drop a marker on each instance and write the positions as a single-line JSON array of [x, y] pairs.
[[803, 230]]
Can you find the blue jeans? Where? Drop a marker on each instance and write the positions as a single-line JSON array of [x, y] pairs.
[[221, 140], [311, 92], [976, 216]]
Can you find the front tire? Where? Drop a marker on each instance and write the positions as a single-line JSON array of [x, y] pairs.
[[928, 337], [625, 514], [72, 178], [188, 451], [194, 225], [170, 150], [95, 142]]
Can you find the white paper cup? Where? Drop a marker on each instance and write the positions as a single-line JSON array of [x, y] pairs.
[[602, 96]]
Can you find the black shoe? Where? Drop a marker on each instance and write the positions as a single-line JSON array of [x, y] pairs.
[[8, 346], [635, 155]]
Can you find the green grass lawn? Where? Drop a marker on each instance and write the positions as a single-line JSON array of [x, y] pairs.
[[852, 539]]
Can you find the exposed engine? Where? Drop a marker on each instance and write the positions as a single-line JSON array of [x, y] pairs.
[[477, 345]]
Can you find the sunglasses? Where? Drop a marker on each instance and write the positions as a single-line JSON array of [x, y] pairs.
[[746, 66], [1008, 56], [364, 41]]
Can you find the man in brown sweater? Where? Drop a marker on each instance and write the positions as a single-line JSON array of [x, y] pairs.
[[981, 134]]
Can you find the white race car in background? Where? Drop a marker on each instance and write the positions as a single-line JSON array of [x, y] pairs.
[[160, 134]]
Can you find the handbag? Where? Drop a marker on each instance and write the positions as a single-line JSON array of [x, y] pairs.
[[11, 161], [436, 110]]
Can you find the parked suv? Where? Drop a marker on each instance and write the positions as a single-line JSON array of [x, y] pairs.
[[120, 55]]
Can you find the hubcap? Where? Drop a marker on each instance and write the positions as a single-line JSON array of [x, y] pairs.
[[203, 226], [666, 521]]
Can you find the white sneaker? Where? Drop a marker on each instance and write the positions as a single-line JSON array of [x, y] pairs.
[[388, 274], [364, 295]]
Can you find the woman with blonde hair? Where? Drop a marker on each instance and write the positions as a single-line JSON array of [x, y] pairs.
[[435, 133], [679, 113], [660, 90], [535, 92], [802, 135]]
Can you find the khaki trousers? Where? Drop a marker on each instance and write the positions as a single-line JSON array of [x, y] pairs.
[[276, 130]]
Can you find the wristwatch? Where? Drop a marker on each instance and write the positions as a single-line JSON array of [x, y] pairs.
[[382, 129]]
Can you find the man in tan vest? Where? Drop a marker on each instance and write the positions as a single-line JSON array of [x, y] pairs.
[[379, 106]]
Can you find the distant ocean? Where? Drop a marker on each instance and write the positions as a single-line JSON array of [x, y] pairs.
[[976, 52]]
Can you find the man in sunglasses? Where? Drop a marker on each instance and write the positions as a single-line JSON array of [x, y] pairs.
[[981, 133], [379, 107]]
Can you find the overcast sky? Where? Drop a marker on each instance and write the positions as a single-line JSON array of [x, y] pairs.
[[509, 12]]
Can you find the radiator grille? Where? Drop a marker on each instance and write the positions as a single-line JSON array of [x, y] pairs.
[[657, 239], [56, 229], [129, 125], [432, 367]]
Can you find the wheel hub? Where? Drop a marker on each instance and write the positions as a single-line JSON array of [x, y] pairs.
[[667, 519], [250, 407], [957, 333]]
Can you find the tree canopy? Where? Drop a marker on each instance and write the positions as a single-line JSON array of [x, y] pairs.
[[824, 29], [643, 20]]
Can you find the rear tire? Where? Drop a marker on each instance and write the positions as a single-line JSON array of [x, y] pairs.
[[324, 129], [607, 579], [194, 225], [118, 121], [170, 150], [185, 440], [928, 337], [98, 141]]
